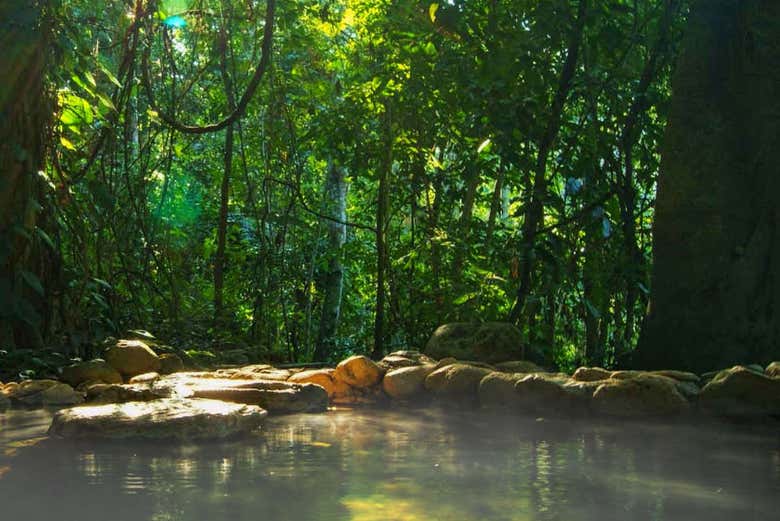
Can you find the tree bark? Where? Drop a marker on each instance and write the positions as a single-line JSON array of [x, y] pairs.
[[336, 205], [716, 272], [382, 208]]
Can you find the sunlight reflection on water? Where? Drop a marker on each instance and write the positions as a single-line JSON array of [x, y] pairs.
[[387, 465]]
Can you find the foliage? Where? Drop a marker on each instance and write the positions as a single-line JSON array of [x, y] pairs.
[[464, 88]]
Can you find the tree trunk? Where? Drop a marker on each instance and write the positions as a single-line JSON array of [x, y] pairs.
[[382, 208], [716, 272], [25, 114], [336, 206]]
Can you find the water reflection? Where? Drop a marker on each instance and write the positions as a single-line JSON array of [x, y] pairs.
[[392, 465]]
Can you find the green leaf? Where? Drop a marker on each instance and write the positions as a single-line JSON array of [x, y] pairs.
[[464, 298], [432, 11], [45, 238], [485, 145], [113, 79], [67, 143], [33, 281]]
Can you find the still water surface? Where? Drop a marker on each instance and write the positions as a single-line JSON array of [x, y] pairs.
[[366, 465]]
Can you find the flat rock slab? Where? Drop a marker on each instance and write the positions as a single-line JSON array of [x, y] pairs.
[[173, 418]]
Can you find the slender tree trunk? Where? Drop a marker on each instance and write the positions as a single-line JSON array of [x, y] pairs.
[[224, 193], [382, 209], [336, 206], [716, 241], [495, 204], [535, 207], [467, 210]]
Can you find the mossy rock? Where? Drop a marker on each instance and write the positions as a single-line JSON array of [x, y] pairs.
[[489, 342], [741, 391]]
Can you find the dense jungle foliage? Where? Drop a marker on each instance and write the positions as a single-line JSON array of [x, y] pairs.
[[304, 179]]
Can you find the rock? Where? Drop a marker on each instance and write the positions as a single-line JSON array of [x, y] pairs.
[[546, 394], [404, 383], [118, 393], [684, 385], [35, 393], [486, 342], [170, 363], [591, 374], [261, 373], [497, 389], [298, 398], [5, 402], [359, 372], [97, 369], [444, 362], [456, 381], [146, 378], [132, 357], [680, 376], [160, 419], [773, 370], [755, 367], [740, 391], [519, 366], [399, 359], [640, 395]]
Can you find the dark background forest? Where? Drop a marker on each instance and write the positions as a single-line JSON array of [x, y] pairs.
[[303, 180]]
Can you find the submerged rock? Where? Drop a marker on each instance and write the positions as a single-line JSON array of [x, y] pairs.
[[36, 393], [132, 357], [92, 370], [456, 381], [640, 395], [5, 402], [740, 391], [182, 419], [405, 383], [359, 372], [486, 342], [591, 374]]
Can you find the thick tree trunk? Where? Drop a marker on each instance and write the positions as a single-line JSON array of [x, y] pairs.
[[25, 114], [336, 206], [716, 275]]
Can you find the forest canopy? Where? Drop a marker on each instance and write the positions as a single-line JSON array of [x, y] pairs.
[[302, 180]]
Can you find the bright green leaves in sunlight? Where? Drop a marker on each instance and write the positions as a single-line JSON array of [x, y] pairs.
[[432, 11]]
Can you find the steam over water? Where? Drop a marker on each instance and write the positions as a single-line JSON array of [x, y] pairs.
[[369, 465]]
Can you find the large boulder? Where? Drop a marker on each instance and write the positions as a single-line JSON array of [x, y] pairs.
[[261, 372], [170, 418], [132, 357], [486, 342], [456, 381], [359, 371], [591, 374], [684, 382], [90, 371], [639, 396], [773, 370], [405, 383], [36, 393], [740, 391], [399, 359], [296, 398]]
